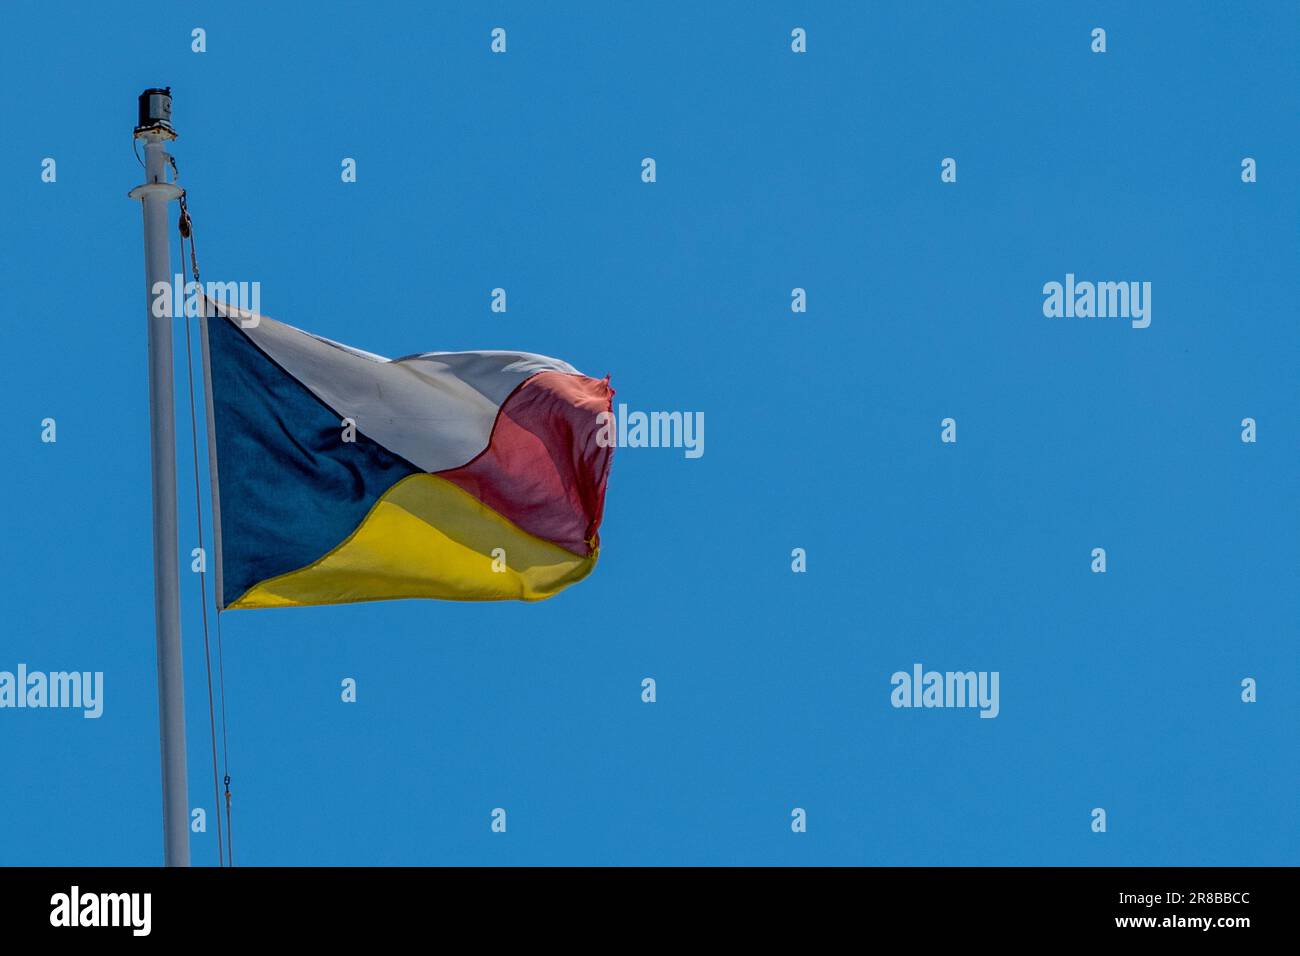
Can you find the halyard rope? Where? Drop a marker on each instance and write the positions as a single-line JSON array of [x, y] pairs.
[[186, 228]]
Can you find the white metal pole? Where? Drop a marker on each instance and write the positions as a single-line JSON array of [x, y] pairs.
[[155, 196]]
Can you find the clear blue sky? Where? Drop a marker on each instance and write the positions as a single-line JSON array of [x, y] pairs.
[[924, 301]]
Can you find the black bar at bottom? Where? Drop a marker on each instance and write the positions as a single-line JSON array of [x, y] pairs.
[[334, 905]]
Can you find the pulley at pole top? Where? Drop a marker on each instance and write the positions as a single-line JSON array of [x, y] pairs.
[[155, 114]]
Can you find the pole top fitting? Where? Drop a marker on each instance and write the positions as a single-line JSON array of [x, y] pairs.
[[155, 114]]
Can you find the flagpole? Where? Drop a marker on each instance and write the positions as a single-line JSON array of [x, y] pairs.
[[155, 130]]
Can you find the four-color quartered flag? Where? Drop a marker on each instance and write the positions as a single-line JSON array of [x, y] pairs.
[[342, 476]]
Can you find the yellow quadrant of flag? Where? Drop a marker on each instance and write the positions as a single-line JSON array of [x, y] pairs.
[[427, 538]]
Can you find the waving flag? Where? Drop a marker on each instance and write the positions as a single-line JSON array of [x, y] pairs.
[[342, 476]]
